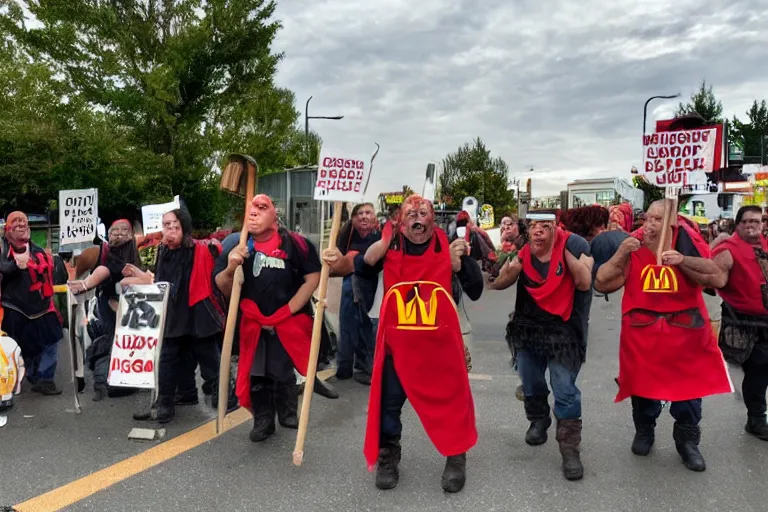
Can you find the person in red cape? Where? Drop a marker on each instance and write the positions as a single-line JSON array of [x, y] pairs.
[[549, 330], [30, 317], [743, 259], [621, 217], [419, 353], [282, 270], [667, 349], [195, 313], [481, 246]]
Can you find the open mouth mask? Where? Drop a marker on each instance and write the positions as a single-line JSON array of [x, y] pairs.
[[418, 218]]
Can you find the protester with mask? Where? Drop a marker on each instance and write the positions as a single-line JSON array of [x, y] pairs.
[[358, 332], [195, 314], [112, 260], [667, 349], [281, 270], [419, 352], [743, 259], [549, 331], [30, 316], [480, 245]]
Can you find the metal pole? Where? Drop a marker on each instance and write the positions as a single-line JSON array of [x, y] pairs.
[[306, 130]]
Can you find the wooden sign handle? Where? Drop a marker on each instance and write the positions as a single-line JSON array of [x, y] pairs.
[[317, 331]]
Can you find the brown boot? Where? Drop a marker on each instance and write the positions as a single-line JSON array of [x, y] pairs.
[[569, 438]]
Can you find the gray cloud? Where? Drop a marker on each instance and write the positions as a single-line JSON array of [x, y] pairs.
[[554, 84]]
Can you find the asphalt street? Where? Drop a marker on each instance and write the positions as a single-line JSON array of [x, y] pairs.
[[45, 446]]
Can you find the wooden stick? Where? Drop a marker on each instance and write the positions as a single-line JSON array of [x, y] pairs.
[[234, 307], [670, 219], [317, 331]]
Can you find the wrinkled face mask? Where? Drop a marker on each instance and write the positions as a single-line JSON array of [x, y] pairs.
[[119, 233], [263, 216], [17, 229], [418, 219]]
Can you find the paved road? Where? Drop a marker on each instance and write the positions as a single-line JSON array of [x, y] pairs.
[[45, 446]]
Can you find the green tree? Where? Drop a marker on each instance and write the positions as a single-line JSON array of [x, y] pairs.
[[185, 81], [651, 192], [470, 171], [704, 103], [750, 133]]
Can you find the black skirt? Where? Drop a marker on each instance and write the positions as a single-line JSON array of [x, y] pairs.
[[32, 334]]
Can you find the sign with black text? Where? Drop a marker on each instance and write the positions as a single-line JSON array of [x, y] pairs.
[[78, 215]]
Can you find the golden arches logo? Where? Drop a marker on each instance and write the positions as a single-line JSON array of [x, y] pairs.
[[417, 314], [659, 279]]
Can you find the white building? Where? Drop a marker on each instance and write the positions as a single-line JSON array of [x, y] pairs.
[[605, 192]]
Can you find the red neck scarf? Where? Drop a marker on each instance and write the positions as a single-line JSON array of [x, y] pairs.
[[554, 293], [40, 268]]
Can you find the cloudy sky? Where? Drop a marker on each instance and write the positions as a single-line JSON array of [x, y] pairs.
[[556, 85]]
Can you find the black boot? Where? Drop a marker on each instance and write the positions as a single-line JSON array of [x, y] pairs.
[[287, 405], [687, 438], [186, 399], [537, 412], [387, 473], [263, 403], [644, 438], [455, 473], [757, 426], [100, 391], [325, 390], [165, 409], [231, 396], [569, 438]]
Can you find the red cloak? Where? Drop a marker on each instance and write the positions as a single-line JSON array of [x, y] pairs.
[[664, 354], [555, 293], [419, 328], [294, 331]]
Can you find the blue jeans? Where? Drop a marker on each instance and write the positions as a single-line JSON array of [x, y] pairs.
[[43, 367], [532, 370], [392, 400], [645, 411], [357, 336]]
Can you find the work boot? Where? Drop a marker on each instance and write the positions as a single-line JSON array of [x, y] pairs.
[[757, 426], [263, 403], [537, 412], [569, 438], [46, 387], [184, 400], [231, 397], [165, 409], [287, 405], [100, 391], [687, 438], [644, 438], [455, 473], [325, 390], [387, 473]]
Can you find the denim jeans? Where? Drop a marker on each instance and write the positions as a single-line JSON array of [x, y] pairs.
[[532, 370], [392, 400], [43, 367], [645, 411], [357, 336]]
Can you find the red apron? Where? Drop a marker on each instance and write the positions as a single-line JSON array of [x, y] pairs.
[[661, 356], [419, 328]]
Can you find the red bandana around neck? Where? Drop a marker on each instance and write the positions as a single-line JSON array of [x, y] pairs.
[[554, 293]]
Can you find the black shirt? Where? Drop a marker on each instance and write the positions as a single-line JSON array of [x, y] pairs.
[[16, 283], [270, 281]]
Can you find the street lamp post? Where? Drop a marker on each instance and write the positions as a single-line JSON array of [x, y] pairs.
[[645, 108], [307, 117]]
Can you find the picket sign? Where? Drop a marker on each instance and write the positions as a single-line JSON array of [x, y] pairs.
[[152, 215], [141, 316], [78, 216], [341, 177]]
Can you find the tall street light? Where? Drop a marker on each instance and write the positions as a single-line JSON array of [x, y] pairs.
[[645, 108], [307, 117]]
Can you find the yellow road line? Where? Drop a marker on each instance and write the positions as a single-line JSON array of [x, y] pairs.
[[78, 490]]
